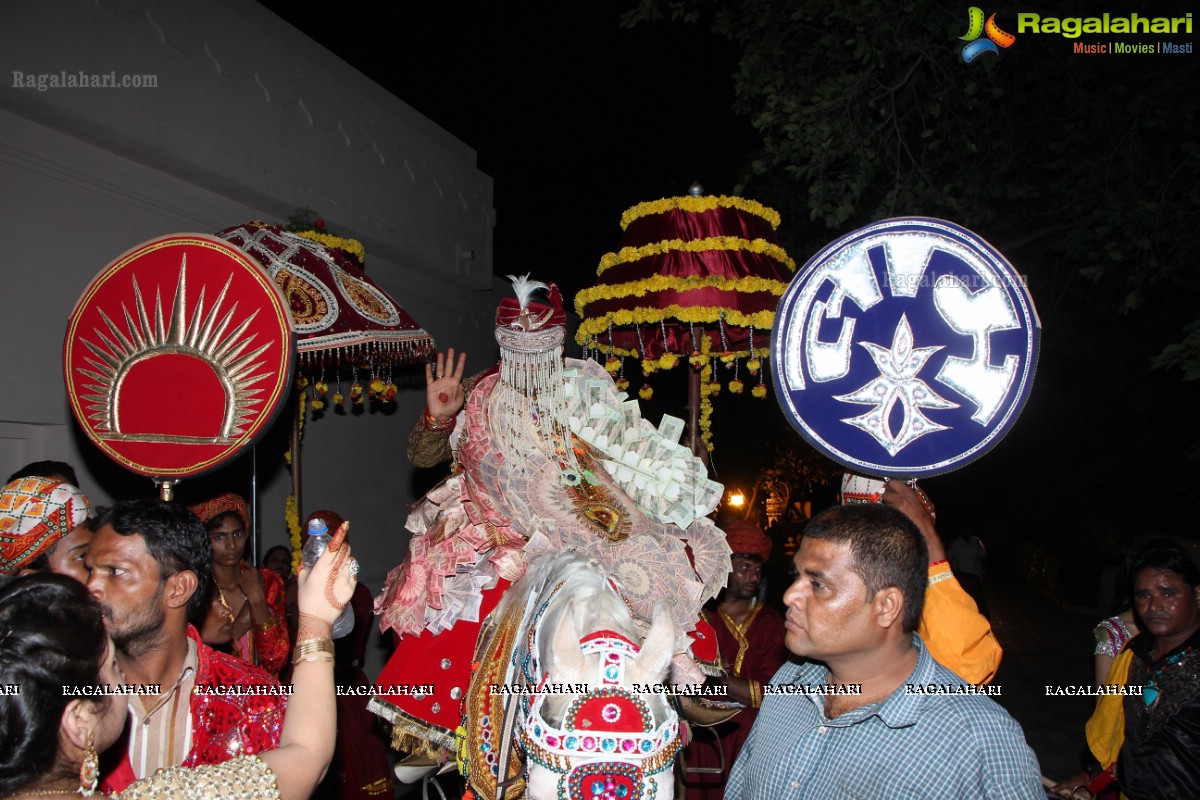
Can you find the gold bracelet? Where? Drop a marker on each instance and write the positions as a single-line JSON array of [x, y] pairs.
[[755, 693], [437, 424], [313, 650], [315, 657], [263, 627]]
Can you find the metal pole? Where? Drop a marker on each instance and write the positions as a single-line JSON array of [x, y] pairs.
[[253, 521], [697, 446], [295, 445]]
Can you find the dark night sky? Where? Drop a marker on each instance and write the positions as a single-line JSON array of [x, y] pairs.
[[576, 119]]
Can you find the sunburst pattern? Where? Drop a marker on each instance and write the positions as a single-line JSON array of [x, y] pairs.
[[214, 335]]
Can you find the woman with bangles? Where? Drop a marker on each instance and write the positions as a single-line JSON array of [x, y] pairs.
[[52, 634]]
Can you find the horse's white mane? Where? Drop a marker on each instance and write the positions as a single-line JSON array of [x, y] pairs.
[[563, 598], [585, 595]]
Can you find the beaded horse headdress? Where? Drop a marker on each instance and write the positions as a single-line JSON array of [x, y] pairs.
[[607, 746]]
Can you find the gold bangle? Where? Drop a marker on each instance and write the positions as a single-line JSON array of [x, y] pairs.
[[314, 657], [263, 627], [437, 424], [755, 693], [313, 650]]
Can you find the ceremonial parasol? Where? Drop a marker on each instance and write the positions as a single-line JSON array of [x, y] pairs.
[[347, 328], [342, 318], [696, 280]]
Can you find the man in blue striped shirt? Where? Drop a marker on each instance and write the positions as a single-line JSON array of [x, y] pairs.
[[867, 712]]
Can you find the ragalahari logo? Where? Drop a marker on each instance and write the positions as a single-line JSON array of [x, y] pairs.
[[976, 27]]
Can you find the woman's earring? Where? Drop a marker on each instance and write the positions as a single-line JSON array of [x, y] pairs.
[[89, 771]]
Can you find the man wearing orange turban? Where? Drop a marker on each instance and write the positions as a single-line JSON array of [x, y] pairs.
[[36, 514]]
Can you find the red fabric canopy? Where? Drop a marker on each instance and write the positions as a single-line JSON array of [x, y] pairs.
[[336, 309], [688, 267]]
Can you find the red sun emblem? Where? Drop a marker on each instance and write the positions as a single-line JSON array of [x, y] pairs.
[[178, 355]]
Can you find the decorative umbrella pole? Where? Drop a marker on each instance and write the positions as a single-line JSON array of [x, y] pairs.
[[696, 280]]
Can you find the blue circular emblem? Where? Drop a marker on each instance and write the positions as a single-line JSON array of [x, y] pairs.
[[905, 349]]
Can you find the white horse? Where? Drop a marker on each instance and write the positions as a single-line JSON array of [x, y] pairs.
[[583, 709]]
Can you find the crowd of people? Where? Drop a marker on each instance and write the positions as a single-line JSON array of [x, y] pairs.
[[871, 681], [114, 689], [105, 599], [117, 690]]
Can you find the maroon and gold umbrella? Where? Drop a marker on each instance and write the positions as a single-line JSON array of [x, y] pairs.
[[346, 326], [696, 281], [340, 316]]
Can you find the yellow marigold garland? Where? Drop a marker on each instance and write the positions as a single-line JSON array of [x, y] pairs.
[[628, 255], [706, 407], [293, 525], [709, 387], [290, 513], [699, 204], [696, 360], [352, 246], [670, 283], [696, 315]]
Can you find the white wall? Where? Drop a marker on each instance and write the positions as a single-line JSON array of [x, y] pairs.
[[250, 119]]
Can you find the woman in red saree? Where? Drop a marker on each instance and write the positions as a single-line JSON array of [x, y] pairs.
[[245, 615]]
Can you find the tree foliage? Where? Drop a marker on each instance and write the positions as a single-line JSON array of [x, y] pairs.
[[1083, 169]]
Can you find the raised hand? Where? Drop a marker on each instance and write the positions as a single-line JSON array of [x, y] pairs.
[[902, 497], [443, 387]]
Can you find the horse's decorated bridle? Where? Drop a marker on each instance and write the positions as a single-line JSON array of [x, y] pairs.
[[607, 747]]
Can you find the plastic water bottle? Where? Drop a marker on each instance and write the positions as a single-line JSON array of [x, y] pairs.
[[314, 548]]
